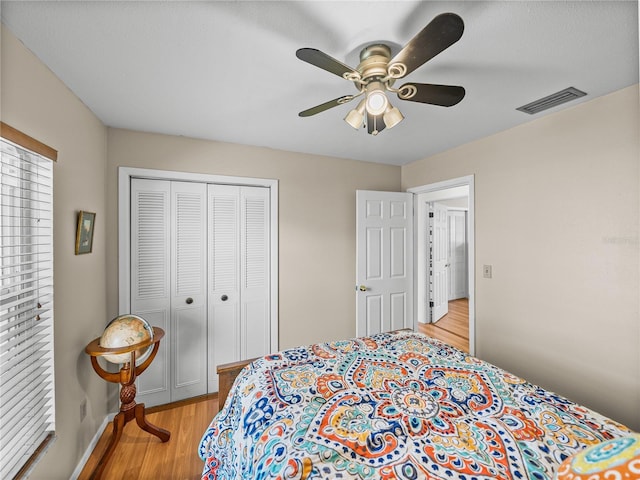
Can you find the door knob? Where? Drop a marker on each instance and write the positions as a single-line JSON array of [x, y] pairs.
[[362, 288], [189, 301], [224, 298]]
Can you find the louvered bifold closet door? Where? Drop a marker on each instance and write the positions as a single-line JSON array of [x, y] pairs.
[[168, 284], [188, 290], [239, 273], [254, 265], [151, 277], [224, 277], [26, 306]]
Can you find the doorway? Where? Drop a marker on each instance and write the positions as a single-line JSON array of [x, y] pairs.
[[459, 195]]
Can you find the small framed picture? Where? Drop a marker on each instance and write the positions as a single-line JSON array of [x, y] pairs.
[[84, 234]]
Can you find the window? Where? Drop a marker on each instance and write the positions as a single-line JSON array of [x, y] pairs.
[[26, 301]]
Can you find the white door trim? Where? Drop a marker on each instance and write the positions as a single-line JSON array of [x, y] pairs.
[[125, 174], [445, 185]]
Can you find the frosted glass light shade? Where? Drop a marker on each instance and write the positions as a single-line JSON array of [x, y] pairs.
[[377, 102]]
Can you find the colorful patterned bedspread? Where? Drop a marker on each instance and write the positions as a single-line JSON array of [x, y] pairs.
[[392, 406]]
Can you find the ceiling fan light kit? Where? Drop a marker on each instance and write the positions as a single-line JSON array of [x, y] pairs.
[[377, 102], [377, 72], [355, 117], [392, 117]]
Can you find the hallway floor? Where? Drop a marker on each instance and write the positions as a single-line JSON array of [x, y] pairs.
[[453, 328]]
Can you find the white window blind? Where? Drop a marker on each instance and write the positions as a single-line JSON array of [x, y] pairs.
[[26, 306]]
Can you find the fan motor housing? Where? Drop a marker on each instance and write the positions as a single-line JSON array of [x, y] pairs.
[[373, 61]]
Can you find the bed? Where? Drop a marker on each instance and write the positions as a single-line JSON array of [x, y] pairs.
[[396, 405]]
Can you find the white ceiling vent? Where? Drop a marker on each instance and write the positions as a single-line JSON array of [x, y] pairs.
[[553, 100]]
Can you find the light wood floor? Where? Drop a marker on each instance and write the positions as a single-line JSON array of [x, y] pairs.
[[453, 328], [140, 455]]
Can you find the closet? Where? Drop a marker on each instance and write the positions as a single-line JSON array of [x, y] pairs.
[[199, 269]]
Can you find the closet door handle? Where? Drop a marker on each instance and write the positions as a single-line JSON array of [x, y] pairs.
[[224, 298], [189, 301]]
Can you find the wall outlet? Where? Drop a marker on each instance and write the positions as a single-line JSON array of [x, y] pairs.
[[83, 409], [486, 271]]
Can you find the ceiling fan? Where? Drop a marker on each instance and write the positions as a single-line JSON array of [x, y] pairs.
[[377, 73]]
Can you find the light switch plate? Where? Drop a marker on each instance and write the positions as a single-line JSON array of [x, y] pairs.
[[486, 271]]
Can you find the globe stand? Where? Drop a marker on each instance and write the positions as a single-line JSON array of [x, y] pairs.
[[126, 377]]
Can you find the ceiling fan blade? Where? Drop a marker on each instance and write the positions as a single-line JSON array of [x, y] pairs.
[[442, 32], [323, 61], [326, 106], [375, 124], [443, 95]]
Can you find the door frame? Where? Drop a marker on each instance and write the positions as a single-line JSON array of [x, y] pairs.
[[125, 174], [467, 181]]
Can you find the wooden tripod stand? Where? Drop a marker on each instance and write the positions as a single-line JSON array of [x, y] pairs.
[[129, 409]]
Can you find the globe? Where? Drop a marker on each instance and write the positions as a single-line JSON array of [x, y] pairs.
[[125, 331]]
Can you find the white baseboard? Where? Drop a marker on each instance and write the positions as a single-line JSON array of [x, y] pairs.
[[92, 445]]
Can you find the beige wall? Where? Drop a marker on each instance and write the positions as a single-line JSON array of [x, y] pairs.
[[37, 103], [316, 220], [557, 213]]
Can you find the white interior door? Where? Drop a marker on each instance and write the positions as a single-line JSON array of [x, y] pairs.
[[384, 261], [168, 283], [188, 290], [439, 262], [239, 275], [458, 254], [254, 264], [224, 277], [150, 278]]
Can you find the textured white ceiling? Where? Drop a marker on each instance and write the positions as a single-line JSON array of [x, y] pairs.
[[227, 71]]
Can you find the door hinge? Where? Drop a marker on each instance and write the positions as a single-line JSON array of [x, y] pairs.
[[430, 304], [430, 214]]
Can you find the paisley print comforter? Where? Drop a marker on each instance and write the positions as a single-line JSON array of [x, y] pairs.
[[397, 405]]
